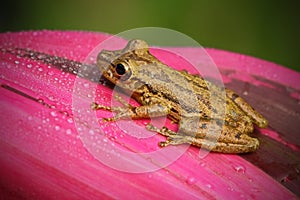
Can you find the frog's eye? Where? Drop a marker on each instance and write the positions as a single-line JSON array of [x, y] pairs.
[[122, 71]]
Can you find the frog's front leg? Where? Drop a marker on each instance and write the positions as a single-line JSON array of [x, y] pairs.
[[132, 112]]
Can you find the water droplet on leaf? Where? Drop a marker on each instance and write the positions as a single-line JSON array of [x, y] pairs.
[[191, 180]]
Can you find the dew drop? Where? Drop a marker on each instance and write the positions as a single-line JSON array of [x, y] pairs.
[[41, 101], [68, 132], [191, 180], [70, 120], [245, 93], [239, 169], [79, 129], [53, 113], [57, 128], [202, 164], [86, 85], [17, 62]]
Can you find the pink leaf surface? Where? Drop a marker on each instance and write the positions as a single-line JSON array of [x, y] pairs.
[[43, 156]]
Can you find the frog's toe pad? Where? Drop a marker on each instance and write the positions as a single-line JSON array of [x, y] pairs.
[[163, 144], [173, 140]]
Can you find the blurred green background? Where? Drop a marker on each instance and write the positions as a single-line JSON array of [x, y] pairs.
[[267, 29]]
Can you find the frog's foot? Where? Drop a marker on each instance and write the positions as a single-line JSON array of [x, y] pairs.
[[173, 138], [163, 131], [96, 106], [121, 112]]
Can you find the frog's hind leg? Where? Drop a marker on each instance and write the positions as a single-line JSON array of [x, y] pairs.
[[256, 117], [243, 143]]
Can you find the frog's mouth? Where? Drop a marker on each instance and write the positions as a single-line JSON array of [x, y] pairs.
[[107, 71], [108, 74]]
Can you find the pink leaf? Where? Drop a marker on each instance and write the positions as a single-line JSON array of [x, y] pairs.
[[43, 154]]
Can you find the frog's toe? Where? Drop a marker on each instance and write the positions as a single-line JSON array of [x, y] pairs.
[[110, 119], [167, 142], [150, 127], [174, 140], [163, 143], [96, 106]]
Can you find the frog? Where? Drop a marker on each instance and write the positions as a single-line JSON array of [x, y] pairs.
[[185, 98]]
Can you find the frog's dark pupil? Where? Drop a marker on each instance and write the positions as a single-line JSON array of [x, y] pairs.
[[120, 69]]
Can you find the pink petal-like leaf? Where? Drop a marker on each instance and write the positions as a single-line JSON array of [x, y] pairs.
[[42, 155]]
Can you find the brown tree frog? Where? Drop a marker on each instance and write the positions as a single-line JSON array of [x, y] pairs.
[[157, 86]]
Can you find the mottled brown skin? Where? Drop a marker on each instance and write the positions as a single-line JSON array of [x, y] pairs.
[[195, 104]]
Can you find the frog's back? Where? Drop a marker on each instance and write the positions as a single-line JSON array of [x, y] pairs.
[[176, 90]]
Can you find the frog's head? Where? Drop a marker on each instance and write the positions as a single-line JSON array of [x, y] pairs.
[[123, 65]]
